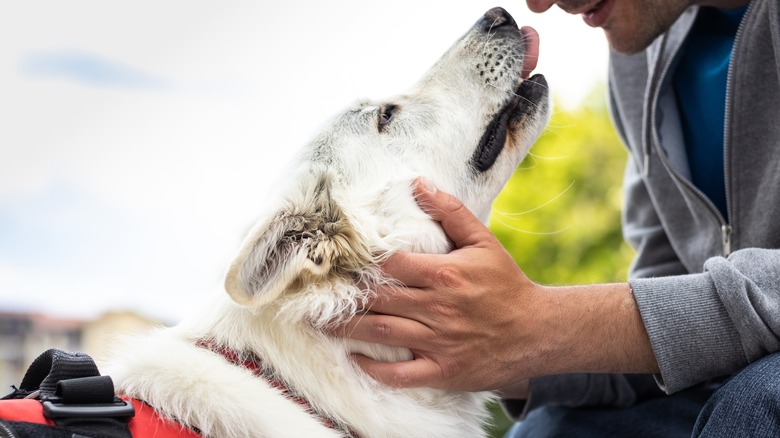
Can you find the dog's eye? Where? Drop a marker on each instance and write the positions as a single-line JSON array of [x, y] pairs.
[[385, 116]]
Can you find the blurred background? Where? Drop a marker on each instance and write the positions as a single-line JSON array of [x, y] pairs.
[[137, 141]]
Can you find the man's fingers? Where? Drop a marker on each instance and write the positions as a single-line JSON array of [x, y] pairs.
[[387, 330], [458, 222], [392, 299], [412, 269], [405, 374]]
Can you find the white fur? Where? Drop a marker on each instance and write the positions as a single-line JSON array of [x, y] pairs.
[[348, 205]]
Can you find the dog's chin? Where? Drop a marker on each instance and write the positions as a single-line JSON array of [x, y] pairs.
[[526, 100]]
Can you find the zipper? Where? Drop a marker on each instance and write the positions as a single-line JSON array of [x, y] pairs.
[[6, 431], [725, 232], [650, 136], [727, 227]]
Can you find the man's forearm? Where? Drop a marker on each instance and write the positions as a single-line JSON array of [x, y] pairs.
[[592, 329]]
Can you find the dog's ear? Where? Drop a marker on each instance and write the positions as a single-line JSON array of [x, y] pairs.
[[309, 239]]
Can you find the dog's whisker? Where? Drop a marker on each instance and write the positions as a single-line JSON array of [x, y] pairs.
[[527, 100], [525, 167], [548, 157], [360, 318], [535, 233], [489, 36], [532, 103], [512, 91], [538, 207]]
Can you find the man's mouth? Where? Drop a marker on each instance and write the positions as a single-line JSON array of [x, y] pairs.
[[597, 15], [593, 10]]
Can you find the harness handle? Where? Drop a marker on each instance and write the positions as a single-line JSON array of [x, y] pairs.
[[75, 396], [54, 365]]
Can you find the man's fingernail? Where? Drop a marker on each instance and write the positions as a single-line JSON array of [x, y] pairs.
[[428, 186]]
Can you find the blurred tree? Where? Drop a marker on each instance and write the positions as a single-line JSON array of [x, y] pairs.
[[559, 214]]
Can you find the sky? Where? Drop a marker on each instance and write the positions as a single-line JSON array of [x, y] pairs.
[[138, 139]]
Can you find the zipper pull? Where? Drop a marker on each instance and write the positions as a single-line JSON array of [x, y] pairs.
[[726, 234]]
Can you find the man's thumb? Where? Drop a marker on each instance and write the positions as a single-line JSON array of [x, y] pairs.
[[458, 222]]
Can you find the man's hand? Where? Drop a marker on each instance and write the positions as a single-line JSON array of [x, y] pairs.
[[458, 313], [474, 321]]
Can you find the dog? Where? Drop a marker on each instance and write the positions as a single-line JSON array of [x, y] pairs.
[[258, 361]]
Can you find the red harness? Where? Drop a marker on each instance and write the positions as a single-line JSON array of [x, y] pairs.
[[146, 423], [259, 369]]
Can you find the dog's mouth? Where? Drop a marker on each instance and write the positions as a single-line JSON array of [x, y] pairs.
[[525, 99]]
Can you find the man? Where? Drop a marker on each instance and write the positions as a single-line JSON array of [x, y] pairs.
[[701, 311]]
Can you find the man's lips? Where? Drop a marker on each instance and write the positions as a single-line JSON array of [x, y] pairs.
[[595, 14], [581, 9]]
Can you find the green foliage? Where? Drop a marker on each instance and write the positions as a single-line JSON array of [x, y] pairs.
[[559, 214]]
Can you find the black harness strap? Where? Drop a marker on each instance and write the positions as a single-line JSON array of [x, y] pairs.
[[54, 365]]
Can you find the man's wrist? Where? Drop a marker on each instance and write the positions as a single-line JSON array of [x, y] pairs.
[[593, 329]]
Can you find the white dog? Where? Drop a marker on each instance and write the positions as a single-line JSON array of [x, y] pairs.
[[258, 361]]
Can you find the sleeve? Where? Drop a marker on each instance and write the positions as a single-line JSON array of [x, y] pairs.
[[714, 323], [583, 390]]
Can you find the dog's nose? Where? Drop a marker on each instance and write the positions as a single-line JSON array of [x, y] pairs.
[[496, 18]]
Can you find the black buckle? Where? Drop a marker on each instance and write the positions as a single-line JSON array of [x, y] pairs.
[[120, 409]]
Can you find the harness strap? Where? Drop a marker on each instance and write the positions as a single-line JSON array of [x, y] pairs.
[[54, 365]]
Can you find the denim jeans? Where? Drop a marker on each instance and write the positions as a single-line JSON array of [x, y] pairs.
[[745, 406]]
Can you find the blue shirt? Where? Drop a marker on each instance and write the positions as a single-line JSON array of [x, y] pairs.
[[700, 86]]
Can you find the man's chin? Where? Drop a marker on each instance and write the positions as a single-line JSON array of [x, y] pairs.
[[634, 30], [624, 49], [627, 43]]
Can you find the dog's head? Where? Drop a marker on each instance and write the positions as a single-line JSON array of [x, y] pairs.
[[465, 127]]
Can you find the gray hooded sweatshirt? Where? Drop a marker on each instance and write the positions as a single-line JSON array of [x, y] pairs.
[[707, 286]]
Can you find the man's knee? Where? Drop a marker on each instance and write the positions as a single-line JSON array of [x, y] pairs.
[[759, 382], [746, 405]]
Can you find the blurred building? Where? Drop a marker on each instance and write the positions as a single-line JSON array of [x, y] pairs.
[[24, 336]]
